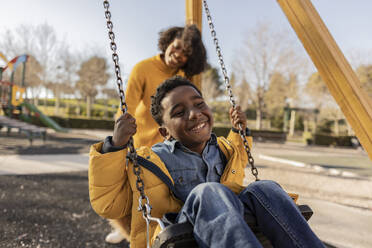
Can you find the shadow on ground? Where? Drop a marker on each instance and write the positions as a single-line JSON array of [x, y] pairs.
[[49, 210], [55, 143]]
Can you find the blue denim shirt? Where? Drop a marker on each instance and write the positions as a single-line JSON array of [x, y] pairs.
[[188, 168]]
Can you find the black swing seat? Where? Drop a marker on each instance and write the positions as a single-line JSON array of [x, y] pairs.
[[181, 235]]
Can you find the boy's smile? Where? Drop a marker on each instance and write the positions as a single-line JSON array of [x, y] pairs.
[[187, 118]]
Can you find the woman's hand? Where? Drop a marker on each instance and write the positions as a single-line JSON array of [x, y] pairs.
[[125, 127], [238, 117]]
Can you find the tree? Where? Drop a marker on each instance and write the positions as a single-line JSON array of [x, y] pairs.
[[211, 84], [276, 94], [64, 75], [282, 91], [292, 88], [38, 41], [323, 100], [317, 90], [263, 53], [45, 39], [17, 41], [32, 77], [109, 93], [242, 91], [364, 73], [216, 78], [92, 74]]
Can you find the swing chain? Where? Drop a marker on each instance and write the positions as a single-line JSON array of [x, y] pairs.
[[248, 151], [143, 201], [115, 56], [229, 89]]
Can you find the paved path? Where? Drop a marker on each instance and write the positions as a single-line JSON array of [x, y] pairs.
[[342, 206], [42, 163], [346, 162], [36, 164], [340, 225]]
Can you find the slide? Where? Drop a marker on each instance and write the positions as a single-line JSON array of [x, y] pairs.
[[44, 119]]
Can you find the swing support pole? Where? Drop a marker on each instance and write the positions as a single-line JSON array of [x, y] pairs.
[[334, 69], [194, 13], [194, 16]]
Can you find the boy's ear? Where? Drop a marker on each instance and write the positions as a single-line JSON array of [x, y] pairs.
[[164, 132]]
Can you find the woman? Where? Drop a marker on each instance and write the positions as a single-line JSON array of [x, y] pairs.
[[181, 53]]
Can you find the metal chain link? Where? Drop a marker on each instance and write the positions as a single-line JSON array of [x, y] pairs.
[[143, 202], [115, 57], [228, 88]]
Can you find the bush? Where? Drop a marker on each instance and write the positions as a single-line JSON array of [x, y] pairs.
[[299, 123], [84, 123], [330, 140], [97, 112], [324, 127], [72, 110], [267, 135], [277, 121], [258, 135], [221, 131], [251, 114], [78, 123], [307, 138]]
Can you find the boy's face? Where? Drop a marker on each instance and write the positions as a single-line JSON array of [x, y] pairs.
[[187, 118]]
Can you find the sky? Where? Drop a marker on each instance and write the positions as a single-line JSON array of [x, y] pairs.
[[137, 23]]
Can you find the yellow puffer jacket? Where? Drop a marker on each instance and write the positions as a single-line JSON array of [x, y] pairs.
[[113, 192]]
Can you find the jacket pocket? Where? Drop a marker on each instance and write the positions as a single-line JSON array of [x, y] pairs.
[[184, 181]]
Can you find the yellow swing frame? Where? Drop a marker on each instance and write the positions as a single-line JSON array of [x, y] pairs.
[[333, 67]]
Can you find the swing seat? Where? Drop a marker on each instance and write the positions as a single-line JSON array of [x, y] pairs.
[[180, 235]]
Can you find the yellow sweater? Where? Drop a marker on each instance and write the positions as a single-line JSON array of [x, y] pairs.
[[145, 77]]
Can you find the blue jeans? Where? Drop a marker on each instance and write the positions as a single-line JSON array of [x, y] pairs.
[[217, 215]]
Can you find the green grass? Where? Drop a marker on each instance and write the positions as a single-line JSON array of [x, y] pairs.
[[63, 111]]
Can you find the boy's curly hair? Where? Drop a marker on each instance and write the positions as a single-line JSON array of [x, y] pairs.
[[193, 44], [162, 91]]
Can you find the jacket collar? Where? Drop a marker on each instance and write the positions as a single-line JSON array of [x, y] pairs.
[[173, 143]]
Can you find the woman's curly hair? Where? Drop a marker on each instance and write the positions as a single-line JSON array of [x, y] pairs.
[[161, 92], [193, 45]]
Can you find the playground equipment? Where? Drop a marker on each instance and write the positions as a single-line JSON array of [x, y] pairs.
[[12, 95], [31, 131], [17, 111], [43, 118]]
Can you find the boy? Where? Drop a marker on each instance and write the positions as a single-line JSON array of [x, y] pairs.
[[182, 52], [207, 173]]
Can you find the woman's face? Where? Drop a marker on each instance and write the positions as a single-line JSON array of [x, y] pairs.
[[175, 56]]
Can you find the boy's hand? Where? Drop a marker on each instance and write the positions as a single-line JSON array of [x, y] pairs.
[[238, 117], [125, 127]]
